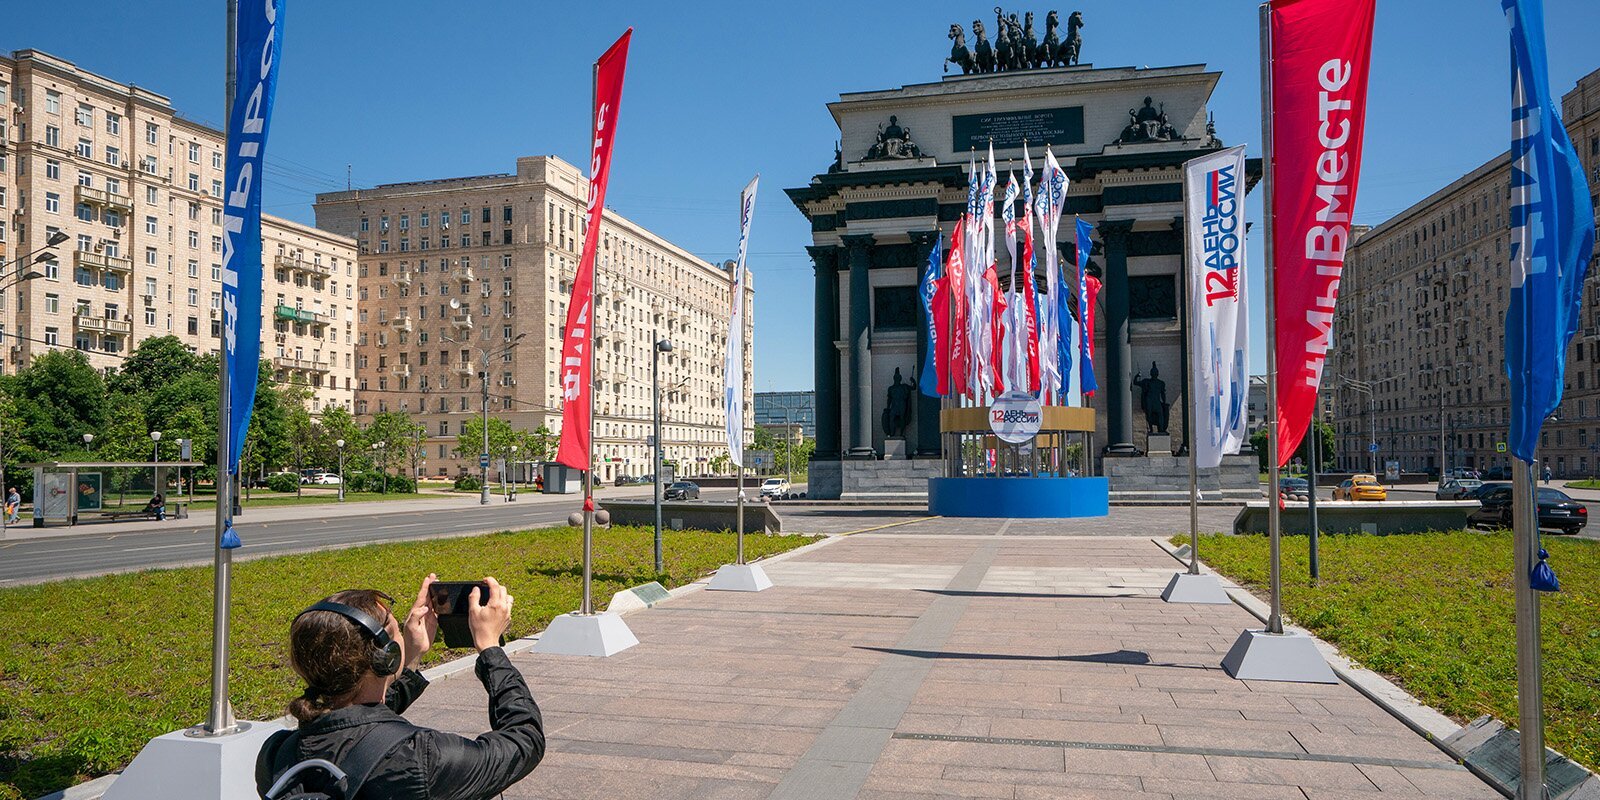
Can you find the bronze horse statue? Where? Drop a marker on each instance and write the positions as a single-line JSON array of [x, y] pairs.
[[1004, 51], [1030, 43], [1074, 41], [959, 54], [982, 52], [1051, 45]]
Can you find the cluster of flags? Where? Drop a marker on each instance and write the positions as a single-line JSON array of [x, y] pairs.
[[985, 340]]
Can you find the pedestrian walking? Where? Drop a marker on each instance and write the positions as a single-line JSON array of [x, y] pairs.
[[1547, 475], [13, 506]]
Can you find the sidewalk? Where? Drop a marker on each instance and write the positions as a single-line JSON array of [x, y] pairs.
[[897, 665], [204, 519]]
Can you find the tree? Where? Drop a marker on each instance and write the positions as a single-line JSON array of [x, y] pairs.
[[397, 431], [1258, 440], [541, 443], [155, 363], [59, 398]]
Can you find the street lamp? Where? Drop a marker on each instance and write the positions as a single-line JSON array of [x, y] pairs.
[[511, 487], [383, 466], [483, 380], [155, 459], [661, 346], [88, 439], [340, 444]]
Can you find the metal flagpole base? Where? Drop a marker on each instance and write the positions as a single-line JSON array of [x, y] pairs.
[[1290, 656], [1187, 588], [740, 578], [596, 635], [190, 764]]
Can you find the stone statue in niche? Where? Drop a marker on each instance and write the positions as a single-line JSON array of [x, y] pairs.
[[1148, 124], [893, 142], [897, 411], [1153, 399]]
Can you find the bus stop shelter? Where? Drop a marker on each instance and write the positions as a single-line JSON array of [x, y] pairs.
[[65, 490]]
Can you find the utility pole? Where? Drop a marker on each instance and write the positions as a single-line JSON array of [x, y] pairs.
[[483, 455], [661, 346]]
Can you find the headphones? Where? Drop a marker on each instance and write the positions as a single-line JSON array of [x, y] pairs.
[[386, 654]]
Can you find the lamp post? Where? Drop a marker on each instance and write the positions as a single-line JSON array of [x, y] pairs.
[[483, 380], [340, 444], [383, 465], [511, 485], [661, 346], [88, 440]]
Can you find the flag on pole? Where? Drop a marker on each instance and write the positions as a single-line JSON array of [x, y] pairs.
[[1552, 235], [577, 343], [1030, 295], [1051, 202], [258, 45], [983, 305], [953, 381], [1088, 287], [1213, 189], [733, 359], [1320, 52], [932, 378], [1066, 344]]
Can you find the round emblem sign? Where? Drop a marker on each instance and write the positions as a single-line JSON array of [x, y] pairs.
[[1015, 417]]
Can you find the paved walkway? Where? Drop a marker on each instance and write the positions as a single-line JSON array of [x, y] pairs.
[[897, 665]]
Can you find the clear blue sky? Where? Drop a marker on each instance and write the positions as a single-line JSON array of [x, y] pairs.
[[405, 90]]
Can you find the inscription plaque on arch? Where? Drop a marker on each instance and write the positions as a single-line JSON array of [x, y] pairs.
[[1040, 126]]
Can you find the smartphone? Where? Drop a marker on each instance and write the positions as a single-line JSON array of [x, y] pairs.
[[449, 600]]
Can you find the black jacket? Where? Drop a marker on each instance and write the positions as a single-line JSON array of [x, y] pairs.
[[430, 765]]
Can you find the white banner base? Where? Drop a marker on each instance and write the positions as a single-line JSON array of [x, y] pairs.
[[740, 578], [1291, 657], [1186, 588], [200, 768], [594, 635]]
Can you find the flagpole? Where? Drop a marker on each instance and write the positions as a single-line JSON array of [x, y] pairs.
[[1530, 699], [1274, 518], [587, 606], [1194, 413], [736, 277], [219, 718]]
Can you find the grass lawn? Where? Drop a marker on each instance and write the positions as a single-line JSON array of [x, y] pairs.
[[1435, 613], [96, 667], [1587, 483]]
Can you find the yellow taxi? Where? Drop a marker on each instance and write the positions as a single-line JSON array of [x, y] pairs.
[[1360, 487]]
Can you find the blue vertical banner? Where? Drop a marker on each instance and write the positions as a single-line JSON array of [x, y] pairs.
[[1085, 309], [258, 43], [928, 384], [1552, 235]]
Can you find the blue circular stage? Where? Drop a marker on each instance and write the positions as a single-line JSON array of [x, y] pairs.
[[1020, 496]]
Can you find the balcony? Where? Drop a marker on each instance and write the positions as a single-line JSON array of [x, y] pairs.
[[462, 322], [83, 320], [300, 315], [467, 275], [464, 369], [91, 260], [400, 278], [298, 264], [302, 364], [104, 199], [400, 370], [401, 324]]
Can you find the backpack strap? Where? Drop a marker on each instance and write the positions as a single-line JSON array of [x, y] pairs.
[[360, 762]]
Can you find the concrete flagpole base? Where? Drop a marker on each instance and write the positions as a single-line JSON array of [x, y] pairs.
[[1290, 656], [1187, 588], [595, 635], [179, 764], [740, 578]]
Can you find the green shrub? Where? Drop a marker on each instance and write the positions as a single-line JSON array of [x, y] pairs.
[[468, 483], [283, 482]]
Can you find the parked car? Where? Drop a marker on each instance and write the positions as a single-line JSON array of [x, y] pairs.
[[1360, 487], [1496, 474], [1556, 510], [1294, 489], [682, 490], [327, 479], [1457, 489], [774, 487], [1463, 472]]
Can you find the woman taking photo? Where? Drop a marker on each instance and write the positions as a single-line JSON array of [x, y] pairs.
[[359, 665]]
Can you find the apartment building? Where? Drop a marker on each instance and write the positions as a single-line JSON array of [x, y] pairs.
[[136, 190], [1419, 361], [463, 286]]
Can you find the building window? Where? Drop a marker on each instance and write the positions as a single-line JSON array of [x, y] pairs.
[[151, 133], [52, 102], [52, 202], [52, 336], [52, 169], [52, 136], [114, 156], [194, 181], [113, 123]]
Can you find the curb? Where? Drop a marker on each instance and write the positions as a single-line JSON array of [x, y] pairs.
[[1422, 719]]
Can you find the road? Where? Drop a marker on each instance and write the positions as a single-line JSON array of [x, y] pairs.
[[1426, 492], [83, 551]]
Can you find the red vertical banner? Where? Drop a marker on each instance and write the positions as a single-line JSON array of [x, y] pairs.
[[1319, 51], [955, 276], [577, 343]]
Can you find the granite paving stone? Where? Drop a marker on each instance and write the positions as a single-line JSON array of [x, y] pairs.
[[951, 658]]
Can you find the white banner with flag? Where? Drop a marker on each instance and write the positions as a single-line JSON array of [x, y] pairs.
[[1213, 190], [733, 363]]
